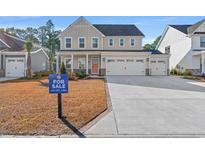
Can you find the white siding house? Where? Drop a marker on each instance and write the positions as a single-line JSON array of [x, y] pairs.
[[185, 45]]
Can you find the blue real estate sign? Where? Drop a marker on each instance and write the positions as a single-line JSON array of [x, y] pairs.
[[58, 83]]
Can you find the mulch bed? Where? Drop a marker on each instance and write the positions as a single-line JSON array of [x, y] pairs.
[[26, 107]]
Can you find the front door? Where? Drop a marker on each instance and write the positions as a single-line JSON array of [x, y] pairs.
[[95, 65]]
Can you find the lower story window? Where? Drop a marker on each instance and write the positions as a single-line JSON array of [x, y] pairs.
[[67, 62], [81, 63]]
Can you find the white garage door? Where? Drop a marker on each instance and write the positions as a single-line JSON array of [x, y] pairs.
[[125, 66], [158, 67], [15, 67]]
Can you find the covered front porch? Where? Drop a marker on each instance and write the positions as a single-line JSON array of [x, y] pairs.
[[201, 55], [88, 63]]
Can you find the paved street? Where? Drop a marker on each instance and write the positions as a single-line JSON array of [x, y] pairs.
[[153, 106]]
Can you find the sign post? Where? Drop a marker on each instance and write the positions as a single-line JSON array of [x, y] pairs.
[[59, 106], [58, 84]]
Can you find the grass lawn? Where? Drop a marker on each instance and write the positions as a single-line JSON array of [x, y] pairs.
[[26, 107]]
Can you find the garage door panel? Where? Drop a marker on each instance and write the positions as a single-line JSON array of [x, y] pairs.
[[15, 67], [158, 67], [125, 66]]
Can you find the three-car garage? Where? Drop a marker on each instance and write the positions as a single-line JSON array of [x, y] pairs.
[[137, 63]]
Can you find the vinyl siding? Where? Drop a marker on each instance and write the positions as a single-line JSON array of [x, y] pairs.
[[39, 62], [83, 29], [179, 44]]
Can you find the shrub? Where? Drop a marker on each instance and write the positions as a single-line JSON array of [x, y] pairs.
[[176, 72], [80, 74], [187, 73], [72, 76], [173, 71], [63, 69], [179, 72]]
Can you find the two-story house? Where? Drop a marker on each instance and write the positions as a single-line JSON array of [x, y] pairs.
[[108, 49], [186, 45]]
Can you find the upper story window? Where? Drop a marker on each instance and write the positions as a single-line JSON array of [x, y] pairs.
[[202, 42], [122, 42], [95, 42], [167, 49], [110, 42], [68, 42], [81, 42], [132, 42]]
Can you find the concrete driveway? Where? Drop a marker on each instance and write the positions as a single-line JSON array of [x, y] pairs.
[[153, 106]]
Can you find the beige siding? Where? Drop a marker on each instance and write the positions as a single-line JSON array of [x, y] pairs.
[[116, 45], [81, 29]]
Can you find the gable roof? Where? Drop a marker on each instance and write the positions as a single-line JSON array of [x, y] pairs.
[[192, 28], [3, 46], [12, 43], [118, 30], [181, 28], [80, 19], [188, 29]]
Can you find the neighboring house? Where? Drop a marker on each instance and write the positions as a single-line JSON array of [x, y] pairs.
[[108, 49], [13, 57], [186, 45]]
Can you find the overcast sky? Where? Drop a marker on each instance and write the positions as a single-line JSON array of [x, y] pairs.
[[151, 26]]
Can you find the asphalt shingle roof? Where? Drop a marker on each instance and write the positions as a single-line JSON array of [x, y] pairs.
[[192, 28], [182, 28], [14, 43], [118, 30]]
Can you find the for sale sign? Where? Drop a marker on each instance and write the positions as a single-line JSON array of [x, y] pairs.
[[58, 83]]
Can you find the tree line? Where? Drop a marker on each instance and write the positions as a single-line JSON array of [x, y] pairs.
[[45, 35]]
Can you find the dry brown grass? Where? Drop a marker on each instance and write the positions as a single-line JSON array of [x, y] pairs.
[[26, 108]]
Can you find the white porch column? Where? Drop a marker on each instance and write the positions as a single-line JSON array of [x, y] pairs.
[[87, 64], [203, 63], [72, 63]]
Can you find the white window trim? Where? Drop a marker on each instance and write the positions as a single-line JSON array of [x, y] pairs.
[[79, 42], [131, 42], [200, 41], [109, 42], [82, 58], [123, 43], [65, 62], [92, 42], [71, 42]]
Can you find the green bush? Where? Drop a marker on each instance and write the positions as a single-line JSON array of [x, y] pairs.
[[173, 71], [179, 72], [187, 73], [63, 69], [80, 74]]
